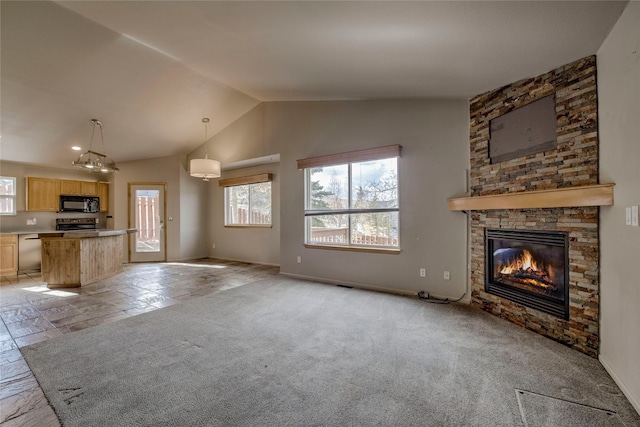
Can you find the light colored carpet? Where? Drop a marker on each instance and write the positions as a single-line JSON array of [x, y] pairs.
[[284, 352]]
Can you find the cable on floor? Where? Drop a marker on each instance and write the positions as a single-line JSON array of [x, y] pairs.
[[429, 298]]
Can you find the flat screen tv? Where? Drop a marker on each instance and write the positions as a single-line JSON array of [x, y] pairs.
[[526, 130]]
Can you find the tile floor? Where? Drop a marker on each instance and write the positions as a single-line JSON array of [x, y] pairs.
[[31, 312]]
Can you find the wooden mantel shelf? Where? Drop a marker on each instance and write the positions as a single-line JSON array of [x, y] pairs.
[[588, 195]]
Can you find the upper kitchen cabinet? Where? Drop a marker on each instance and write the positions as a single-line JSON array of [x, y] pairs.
[[69, 187], [82, 188], [88, 188], [43, 194], [103, 193]]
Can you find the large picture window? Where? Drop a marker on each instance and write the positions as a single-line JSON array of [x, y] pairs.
[[7, 195], [353, 203], [247, 201]]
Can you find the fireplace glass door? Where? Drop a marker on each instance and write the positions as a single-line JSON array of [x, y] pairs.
[[530, 268]]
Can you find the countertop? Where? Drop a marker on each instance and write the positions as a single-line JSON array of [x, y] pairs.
[[31, 231], [82, 234], [98, 232]]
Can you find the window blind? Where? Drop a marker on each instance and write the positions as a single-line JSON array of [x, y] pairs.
[[351, 157]]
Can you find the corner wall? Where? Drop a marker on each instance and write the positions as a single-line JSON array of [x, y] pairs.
[[619, 105], [433, 167], [260, 245], [573, 163], [194, 214]]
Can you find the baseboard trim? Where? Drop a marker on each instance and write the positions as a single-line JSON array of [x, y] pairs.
[[244, 260], [625, 390], [402, 292]]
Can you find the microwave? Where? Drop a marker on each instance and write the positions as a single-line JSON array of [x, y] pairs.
[[86, 204]]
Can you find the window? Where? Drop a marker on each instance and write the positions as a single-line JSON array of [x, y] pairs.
[[351, 200], [7, 195], [247, 201]]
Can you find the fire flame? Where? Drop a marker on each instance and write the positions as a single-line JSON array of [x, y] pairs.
[[526, 271], [522, 263]]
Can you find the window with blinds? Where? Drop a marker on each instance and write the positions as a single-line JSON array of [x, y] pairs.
[[247, 201], [351, 199]]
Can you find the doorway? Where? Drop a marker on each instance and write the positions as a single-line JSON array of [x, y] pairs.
[[147, 208]]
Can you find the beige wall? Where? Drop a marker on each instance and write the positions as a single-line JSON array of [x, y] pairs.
[[434, 136], [194, 215], [619, 109], [169, 170], [259, 245], [435, 157], [244, 139]]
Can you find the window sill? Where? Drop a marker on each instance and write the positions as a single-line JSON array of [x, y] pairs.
[[355, 249], [249, 226]]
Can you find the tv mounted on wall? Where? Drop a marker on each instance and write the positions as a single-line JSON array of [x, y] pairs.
[[526, 130]]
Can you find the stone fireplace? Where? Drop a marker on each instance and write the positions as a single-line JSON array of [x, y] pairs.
[[572, 315]]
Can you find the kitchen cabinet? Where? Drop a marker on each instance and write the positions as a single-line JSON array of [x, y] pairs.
[[103, 193], [75, 258], [69, 187], [88, 188], [82, 188], [43, 194], [8, 254]]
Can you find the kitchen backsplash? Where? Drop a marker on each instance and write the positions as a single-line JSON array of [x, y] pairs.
[[43, 220]]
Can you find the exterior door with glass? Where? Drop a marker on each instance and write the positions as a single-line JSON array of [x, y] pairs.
[[147, 214]]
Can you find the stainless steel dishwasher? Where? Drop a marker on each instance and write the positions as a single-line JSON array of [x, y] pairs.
[[29, 253]]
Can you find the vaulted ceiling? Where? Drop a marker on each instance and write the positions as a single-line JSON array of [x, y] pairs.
[[151, 70]]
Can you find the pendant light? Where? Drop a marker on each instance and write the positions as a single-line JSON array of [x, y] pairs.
[[92, 161], [205, 168]]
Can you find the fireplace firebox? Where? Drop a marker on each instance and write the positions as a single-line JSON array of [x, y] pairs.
[[530, 268]]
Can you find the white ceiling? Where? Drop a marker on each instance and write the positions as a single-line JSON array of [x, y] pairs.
[[150, 70]]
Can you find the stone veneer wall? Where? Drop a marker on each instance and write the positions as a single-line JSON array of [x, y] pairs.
[[573, 163]]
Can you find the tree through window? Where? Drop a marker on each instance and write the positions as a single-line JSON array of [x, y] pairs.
[[247, 200], [353, 203]]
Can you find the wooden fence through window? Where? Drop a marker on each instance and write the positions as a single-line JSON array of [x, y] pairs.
[[340, 235], [148, 221]]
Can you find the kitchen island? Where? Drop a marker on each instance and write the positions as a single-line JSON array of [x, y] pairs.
[[71, 259]]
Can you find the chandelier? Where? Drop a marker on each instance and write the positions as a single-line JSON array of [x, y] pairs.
[[205, 168], [92, 161]]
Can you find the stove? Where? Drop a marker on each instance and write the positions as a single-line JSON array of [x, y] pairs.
[[75, 223]]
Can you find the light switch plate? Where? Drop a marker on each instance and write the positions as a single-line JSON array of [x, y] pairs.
[[628, 216], [634, 216]]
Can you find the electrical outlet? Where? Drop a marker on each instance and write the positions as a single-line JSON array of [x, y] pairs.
[[213, 245], [299, 259], [423, 272], [634, 216], [447, 275], [628, 216], [97, 220]]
